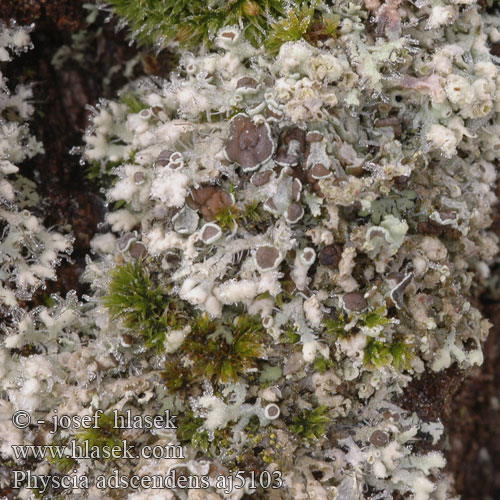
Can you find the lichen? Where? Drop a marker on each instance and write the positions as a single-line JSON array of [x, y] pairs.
[[333, 194]]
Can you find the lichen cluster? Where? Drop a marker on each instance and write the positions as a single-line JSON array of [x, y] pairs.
[[29, 252], [292, 238]]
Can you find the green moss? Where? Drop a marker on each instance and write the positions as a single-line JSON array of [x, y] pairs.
[[133, 103], [402, 355], [103, 175], [228, 218], [216, 350], [310, 424], [304, 23], [375, 318], [290, 29], [177, 377], [252, 212], [335, 324], [378, 353], [254, 218], [104, 436], [321, 364], [190, 431], [284, 296], [228, 359], [194, 22], [253, 426], [142, 306], [64, 464], [289, 334]]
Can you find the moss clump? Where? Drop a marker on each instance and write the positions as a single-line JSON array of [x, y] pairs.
[[402, 355], [191, 23], [310, 424], [378, 353], [227, 218], [133, 103], [305, 24], [104, 437], [191, 431], [321, 364], [289, 334], [336, 323], [63, 464], [134, 299], [216, 350]]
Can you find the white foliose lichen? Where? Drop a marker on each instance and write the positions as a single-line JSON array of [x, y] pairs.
[[29, 252]]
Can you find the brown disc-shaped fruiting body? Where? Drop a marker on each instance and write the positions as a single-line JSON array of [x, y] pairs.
[[247, 82], [261, 178], [379, 438], [292, 147], [210, 200], [294, 213], [354, 301], [330, 256], [210, 233], [138, 250], [249, 145], [267, 257]]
